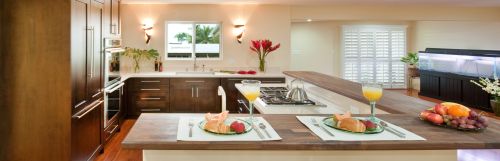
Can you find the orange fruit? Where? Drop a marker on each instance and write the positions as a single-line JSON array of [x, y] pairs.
[[456, 110]]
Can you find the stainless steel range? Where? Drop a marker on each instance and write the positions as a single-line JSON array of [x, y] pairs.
[[276, 96]]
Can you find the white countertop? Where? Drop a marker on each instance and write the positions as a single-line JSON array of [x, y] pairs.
[[335, 103], [171, 74]]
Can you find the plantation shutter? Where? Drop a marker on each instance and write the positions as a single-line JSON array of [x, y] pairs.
[[373, 53]]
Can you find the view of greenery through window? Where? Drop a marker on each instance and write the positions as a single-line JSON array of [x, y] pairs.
[[180, 40]]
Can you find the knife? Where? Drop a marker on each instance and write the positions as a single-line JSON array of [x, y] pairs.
[[257, 131]]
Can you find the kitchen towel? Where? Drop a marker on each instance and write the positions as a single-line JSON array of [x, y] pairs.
[[201, 135], [346, 136]]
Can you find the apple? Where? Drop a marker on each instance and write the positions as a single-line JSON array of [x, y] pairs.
[[439, 109], [242, 72], [424, 114], [435, 118]]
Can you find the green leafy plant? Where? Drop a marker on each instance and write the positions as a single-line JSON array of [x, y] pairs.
[[411, 59], [204, 35], [139, 54]]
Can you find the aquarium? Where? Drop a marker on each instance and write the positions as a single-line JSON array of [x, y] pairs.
[[476, 66]]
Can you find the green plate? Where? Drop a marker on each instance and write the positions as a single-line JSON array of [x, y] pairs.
[[248, 126], [330, 123]]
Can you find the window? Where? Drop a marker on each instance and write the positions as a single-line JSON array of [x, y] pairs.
[[181, 35], [373, 53]]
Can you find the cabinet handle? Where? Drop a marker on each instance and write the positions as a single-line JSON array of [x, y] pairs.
[[150, 89], [87, 111], [96, 94], [150, 98], [91, 29], [272, 82], [192, 91], [155, 81], [151, 110], [195, 81], [196, 92], [113, 29], [112, 130]]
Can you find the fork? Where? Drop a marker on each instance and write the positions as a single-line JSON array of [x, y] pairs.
[[191, 124], [315, 123]]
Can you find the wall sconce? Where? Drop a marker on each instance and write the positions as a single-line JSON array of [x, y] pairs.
[[238, 31], [148, 31]]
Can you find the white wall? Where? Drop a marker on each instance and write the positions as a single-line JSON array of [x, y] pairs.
[[262, 22], [457, 34], [316, 45]]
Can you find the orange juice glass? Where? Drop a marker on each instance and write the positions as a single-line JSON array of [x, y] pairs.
[[372, 92]]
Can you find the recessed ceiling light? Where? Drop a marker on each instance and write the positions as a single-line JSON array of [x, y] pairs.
[[309, 20]]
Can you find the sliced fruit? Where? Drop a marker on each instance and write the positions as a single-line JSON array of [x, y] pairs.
[[251, 72]]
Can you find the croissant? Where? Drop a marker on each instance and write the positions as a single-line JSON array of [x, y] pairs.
[[215, 123], [351, 124]]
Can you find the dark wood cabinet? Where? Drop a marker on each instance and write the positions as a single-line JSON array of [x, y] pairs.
[[148, 95], [232, 104], [79, 12], [86, 128], [94, 48], [198, 95], [86, 75], [453, 88]]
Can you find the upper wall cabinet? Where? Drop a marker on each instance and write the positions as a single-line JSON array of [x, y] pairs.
[[115, 17], [112, 18]]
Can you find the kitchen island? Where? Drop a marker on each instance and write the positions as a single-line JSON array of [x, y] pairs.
[[156, 135]]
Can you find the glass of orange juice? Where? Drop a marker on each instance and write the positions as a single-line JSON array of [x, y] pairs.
[[251, 91], [372, 91]]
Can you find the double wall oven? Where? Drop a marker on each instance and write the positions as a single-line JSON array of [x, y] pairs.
[[112, 82]]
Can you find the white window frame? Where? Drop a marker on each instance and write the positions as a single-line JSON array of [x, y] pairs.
[[367, 28], [193, 54]]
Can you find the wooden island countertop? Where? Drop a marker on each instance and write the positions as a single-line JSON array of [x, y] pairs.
[[157, 131], [391, 102]]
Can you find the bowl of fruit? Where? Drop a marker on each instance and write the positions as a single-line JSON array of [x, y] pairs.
[[456, 116]]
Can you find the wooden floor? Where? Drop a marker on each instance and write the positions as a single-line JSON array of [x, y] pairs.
[[114, 152]]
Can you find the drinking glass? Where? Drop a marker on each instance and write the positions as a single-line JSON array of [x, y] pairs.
[[251, 91], [372, 91]]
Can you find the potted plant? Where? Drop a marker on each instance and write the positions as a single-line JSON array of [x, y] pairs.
[[493, 88], [412, 61], [263, 48], [139, 54]]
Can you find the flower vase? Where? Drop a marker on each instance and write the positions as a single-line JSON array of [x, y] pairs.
[[495, 105], [136, 66], [262, 65]]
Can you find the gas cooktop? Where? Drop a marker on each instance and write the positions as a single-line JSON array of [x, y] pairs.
[[277, 96]]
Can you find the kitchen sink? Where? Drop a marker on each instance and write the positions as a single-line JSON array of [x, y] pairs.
[[194, 73]]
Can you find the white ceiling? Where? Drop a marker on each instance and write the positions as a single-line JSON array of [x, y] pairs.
[[323, 2]]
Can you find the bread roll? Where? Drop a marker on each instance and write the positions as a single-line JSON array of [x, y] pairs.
[[351, 124]]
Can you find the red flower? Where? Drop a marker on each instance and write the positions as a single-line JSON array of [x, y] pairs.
[[263, 47]]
